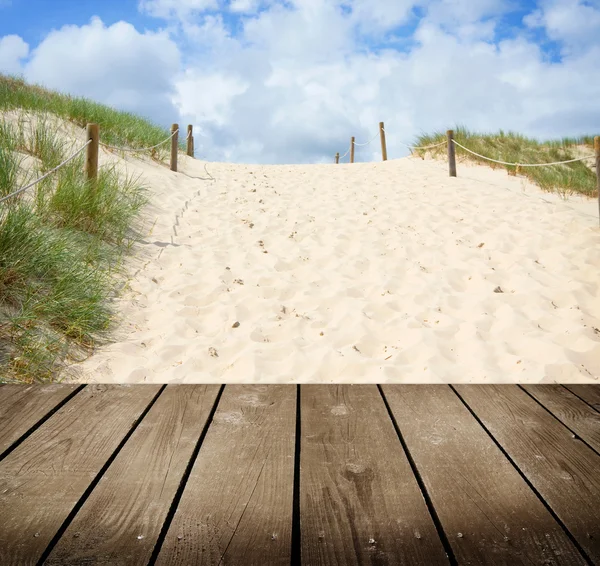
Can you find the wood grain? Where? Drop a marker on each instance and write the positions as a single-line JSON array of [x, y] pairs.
[[237, 504], [121, 520], [44, 477], [359, 500], [589, 393], [569, 409], [174, 146], [488, 512], [563, 470], [22, 406]]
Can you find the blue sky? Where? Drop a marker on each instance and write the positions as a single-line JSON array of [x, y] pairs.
[[33, 19], [275, 81]]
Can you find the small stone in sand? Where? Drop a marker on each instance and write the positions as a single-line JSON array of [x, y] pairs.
[[235, 324], [498, 290]]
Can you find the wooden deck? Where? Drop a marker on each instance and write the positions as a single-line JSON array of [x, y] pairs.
[[288, 475]]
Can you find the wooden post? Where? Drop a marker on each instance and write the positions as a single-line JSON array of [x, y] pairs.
[[451, 153], [91, 159], [597, 151], [337, 157], [189, 138], [174, 142], [383, 146], [352, 150]]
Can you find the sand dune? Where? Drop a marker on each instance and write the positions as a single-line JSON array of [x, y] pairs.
[[375, 272]]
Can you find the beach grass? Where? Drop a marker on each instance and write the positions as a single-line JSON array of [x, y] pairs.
[[117, 128], [566, 179], [62, 242]]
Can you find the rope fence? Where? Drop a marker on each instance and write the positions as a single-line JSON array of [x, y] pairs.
[[451, 143], [92, 145], [23, 189], [523, 164], [138, 148]]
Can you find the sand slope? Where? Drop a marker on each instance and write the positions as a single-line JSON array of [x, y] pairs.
[[378, 272]]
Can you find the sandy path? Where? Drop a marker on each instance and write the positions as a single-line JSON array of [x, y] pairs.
[[379, 272]]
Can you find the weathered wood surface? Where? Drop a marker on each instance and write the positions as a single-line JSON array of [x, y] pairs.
[[237, 504], [589, 393], [564, 470], [42, 480], [359, 500], [145, 474], [582, 419], [22, 406], [121, 520], [488, 512]]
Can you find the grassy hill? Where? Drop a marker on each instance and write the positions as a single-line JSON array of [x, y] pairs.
[[61, 243], [570, 178]]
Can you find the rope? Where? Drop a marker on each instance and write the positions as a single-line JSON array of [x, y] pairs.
[[47, 174], [523, 164], [422, 146], [342, 157], [138, 148], [367, 143], [419, 147]]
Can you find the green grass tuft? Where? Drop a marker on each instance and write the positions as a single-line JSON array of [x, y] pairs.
[[117, 128], [570, 178], [62, 242]]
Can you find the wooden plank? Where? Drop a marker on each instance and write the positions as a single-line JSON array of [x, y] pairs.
[[237, 504], [359, 500], [571, 410], [121, 520], [563, 470], [22, 406], [589, 393], [43, 479], [487, 510]]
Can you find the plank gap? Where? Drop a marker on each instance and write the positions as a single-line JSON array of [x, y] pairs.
[[184, 478], [573, 432], [39, 423], [95, 481], [421, 483], [296, 558], [525, 479], [573, 390]]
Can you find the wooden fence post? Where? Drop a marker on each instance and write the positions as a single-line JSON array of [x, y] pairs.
[[383, 146], [190, 139], [597, 151], [174, 142], [451, 153], [91, 159], [352, 150], [337, 157], [193, 153]]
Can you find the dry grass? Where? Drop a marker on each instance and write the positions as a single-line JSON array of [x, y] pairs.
[[570, 178]]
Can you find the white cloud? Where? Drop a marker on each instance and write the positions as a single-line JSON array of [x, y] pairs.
[[12, 51], [573, 22], [376, 16], [207, 97], [292, 82], [312, 85], [178, 9], [116, 65], [244, 6]]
